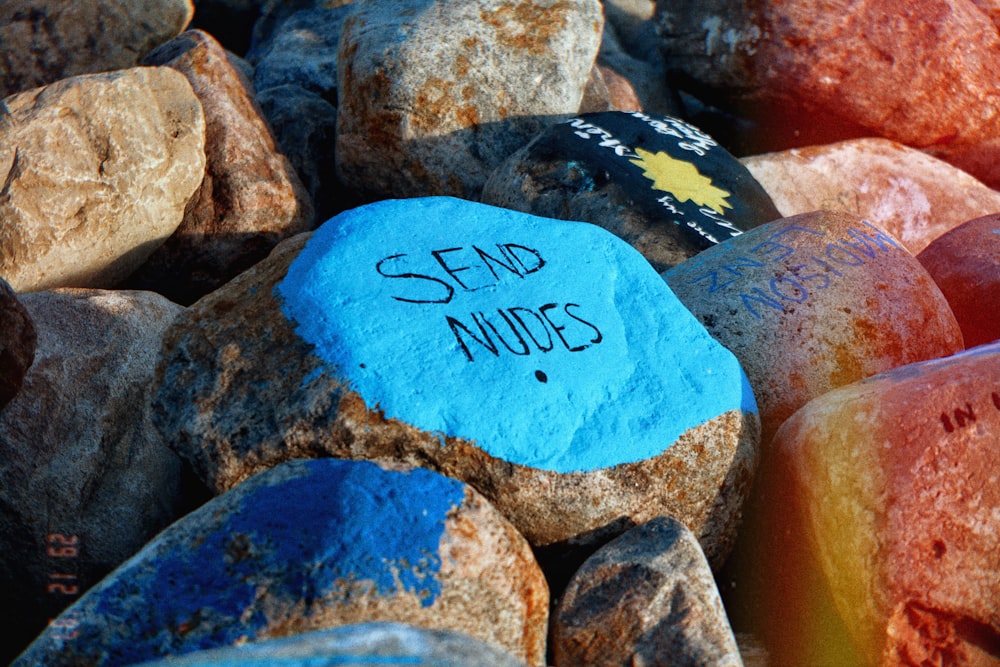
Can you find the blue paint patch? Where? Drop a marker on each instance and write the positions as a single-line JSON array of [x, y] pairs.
[[548, 343], [298, 532]]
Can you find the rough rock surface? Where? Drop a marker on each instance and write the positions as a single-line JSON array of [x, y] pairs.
[[84, 482], [893, 485], [251, 197], [240, 389], [908, 193], [310, 545], [813, 302], [965, 264], [432, 96], [97, 170], [646, 598], [42, 41], [17, 343]]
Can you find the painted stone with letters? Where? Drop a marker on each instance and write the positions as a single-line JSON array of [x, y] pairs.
[[310, 545], [657, 182], [813, 302], [544, 362]]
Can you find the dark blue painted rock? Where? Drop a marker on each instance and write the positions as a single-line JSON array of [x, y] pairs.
[[658, 182], [309, 545], [545, 362]]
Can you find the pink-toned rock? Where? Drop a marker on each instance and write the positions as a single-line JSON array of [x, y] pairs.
[[813, 302], [889, 499], [251, 197], [17, 343], [965, 264], [910, 194]]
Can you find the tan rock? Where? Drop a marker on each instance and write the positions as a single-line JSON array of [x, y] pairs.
[[97, 171], [42, 41], [908, 193]]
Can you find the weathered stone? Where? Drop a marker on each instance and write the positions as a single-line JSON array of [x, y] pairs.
[[17, 343], [906, 192], [251, 197], [434, 95], [582, 434], [645, 598], [359, 645], [813, 302], [97, 172], [661, 184], [925, 76], [965, 264], [84, 482], [42, 41], [309, 545], [890, 485]]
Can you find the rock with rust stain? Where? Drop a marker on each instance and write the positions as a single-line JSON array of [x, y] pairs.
[[647, 597], [309, 545], [432, 96], [17, 343], [965, 264], [890, 484]]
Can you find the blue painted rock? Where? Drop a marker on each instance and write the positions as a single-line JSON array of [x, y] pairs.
[[17, 343], [359, 645], [309, 545], [659, 183], [542, 361], [965, 264], [813, 302]]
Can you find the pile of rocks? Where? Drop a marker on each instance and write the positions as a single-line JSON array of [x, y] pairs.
[[455, 332]]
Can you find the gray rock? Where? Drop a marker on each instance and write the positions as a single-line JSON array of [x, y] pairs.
[[85, 482], [97, 170], [646, 598], [17, 343], [310, 545], [434, 95]]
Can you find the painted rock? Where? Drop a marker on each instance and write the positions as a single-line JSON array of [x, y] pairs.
[[813, 302], [359, 645], [647, 597], [657, 182], [913, 196], [891, 485], [965, 264], [17, 343], [542, 361], [309, 545]]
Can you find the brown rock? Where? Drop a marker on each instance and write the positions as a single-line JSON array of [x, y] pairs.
[[17, 343], [965, 264], [42, 41], [906, 192], [97, 171], [646, 598], [251, 197], [813, 302]]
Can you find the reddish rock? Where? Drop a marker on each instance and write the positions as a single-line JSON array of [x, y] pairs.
[[17, 343], [965, 264]]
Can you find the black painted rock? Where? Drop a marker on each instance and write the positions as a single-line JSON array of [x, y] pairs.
[[17, 343], [659, 183]]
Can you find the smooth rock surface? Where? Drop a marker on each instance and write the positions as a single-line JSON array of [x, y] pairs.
[[373, 346], [83, 481], [661, 184], [813, 302], [97, 171], [646, 598], [965, 264], [42, 41], [310, 545], [17, 343], [251, 197], [892, 502], [432, 96], [908, 193], [355, 646]]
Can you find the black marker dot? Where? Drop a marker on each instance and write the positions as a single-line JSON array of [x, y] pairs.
[[541, 377], [363, 366]]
